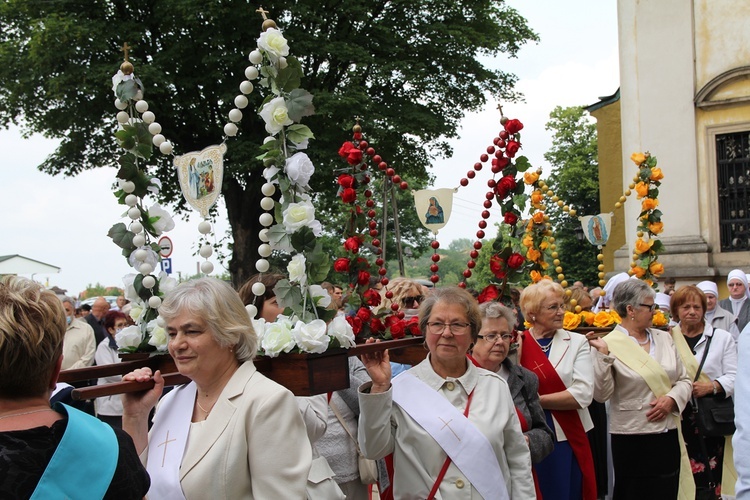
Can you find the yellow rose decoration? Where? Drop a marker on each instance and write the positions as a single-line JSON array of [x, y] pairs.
[[538, 217], [528, 241], [649, 204], [536, 277], [656, 227], [641, 189], [615, 316], [656, 174], [571, 320], [638, 158], [656, 268], [638, 271], [603, 319], [533, 255], [543, 245], [527, 325], [642, 247], [530, 178], [536, 198], [659, 319], [588, 317]]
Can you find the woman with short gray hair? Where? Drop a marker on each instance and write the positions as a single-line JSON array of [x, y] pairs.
[[640, 372]]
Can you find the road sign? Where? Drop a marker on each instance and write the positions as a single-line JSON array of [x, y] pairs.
[[166, 246], [166, 265]]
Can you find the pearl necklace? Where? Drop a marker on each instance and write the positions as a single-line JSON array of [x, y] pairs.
[[25, 413], [648, 339]]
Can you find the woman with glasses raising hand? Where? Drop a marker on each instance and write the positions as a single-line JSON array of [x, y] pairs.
[[640, 372], [451, 426], [562, 362]]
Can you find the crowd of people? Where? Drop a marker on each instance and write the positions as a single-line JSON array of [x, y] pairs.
[[506, 404]]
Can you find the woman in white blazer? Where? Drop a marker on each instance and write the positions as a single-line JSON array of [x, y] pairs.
[[230, 433], [562, 362], [639, 371]]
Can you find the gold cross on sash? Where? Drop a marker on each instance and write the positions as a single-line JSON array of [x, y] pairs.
[[447, 424], [165, 443], [539, 367]]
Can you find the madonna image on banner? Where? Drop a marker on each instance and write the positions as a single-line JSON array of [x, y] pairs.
[[201, 174], [434, 207], [597, 228]]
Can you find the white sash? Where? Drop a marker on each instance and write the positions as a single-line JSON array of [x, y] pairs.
[[468, 448], [167, 442]]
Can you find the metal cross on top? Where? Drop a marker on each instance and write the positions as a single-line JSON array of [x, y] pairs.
[[262, 12], [126, 49], [500, 108]]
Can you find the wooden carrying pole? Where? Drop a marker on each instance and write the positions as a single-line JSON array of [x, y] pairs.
[[303, 374]]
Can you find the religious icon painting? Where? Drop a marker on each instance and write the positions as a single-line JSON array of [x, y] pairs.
[[434, 207], [597, 228], [201, 174]]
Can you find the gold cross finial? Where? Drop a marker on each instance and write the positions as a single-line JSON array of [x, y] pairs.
[[500, 108], [262, 12], [126, 49], [357, 118]]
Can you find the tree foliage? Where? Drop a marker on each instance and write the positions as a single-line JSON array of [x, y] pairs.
[[411, 69], [575, 179]]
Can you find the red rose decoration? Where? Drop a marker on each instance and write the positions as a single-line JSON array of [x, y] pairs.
[[515, 260], [510, 218], [355, 157], [348, 195], [397, 327], [376, 326], [341, 265], [352, 244], [355, 323], [364, 314], [345, 181], [489, 293], [497, 266], [372, 297], [513, 126], [345, 148], [505, 186], [363, 278], [412, 327], [512, 148]]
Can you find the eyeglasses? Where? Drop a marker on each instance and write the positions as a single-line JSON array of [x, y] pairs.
[[651, 307], [555, 307], [410, 301], [493, 337], [437, 328], [735, 284]]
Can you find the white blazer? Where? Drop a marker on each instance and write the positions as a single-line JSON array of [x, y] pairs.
[[721, 362], [571, 358]]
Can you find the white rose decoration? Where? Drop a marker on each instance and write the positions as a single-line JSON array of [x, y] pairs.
[[299, 169], [151, 258], [341, 330], [130, 293], [298, 215], [158, 335], [320, 295], [164, 221], [259, 325], [166, 283], [277, 338], [297, 269], [119, 77], [136, 311], [312, 336], [275, 114], [274, 44], [129, 337]]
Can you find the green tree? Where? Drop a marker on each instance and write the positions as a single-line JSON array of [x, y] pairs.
[[575, 179], [99, 290], [411, 69]]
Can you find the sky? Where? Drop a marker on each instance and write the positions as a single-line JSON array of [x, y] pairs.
[[63, 221]]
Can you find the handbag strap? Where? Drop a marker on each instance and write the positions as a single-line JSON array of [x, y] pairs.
[[341, 420], [703, 360]]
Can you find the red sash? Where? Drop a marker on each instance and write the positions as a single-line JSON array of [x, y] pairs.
[[533, 359]]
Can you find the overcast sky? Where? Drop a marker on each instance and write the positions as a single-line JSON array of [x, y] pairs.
[[64, 221]]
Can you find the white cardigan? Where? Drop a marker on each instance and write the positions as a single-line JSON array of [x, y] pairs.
[[721, 362]]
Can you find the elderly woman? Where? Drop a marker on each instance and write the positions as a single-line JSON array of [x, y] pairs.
[[48, 452], [231, 431], [449, 424], [561, 361], [640, 372], [695, 340], [109, 408], [737, 303], [491, 353]]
